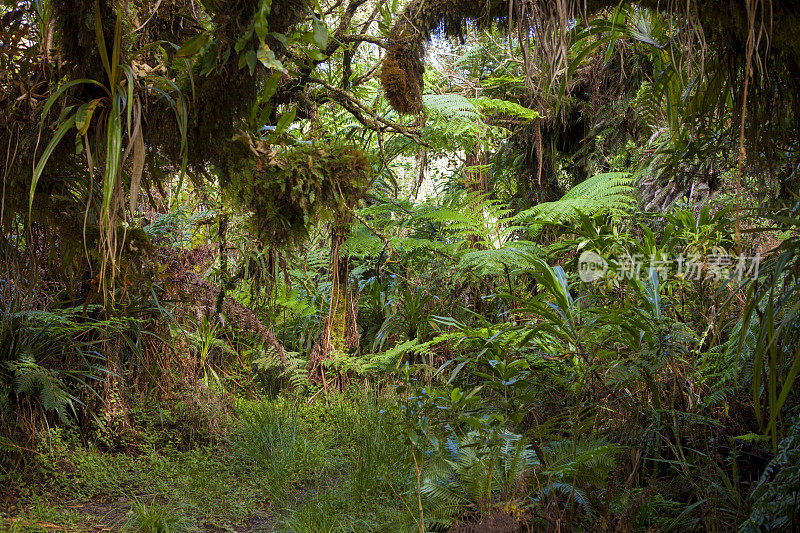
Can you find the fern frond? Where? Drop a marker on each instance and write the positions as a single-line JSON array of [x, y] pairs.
[[504, 107], [610, 192], [584, 460], [497, 261], [775, 498], [451, 105], [470, 474]]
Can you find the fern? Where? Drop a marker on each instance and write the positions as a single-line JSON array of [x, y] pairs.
[[569, 491], [648, 105], [394, 355], [362, 244], [504, 107], [294, 373], [572, 465], [476, 218], [452, 105], [34, 347], [776, 497], [498, 261], [720, 368], [457, 123], [456, 229], [610, 192], [472, 109], [33, 380], [470, 475], [584, 460]]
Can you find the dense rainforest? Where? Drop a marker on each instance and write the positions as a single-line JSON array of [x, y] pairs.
[[402, 265]]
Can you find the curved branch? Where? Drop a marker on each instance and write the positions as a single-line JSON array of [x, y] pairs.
[[367, 117]]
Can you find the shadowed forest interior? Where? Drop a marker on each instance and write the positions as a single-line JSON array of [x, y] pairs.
[[400, 266]]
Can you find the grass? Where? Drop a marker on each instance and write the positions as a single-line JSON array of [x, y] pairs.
[[285, 465], [273, 442], [154, 518]]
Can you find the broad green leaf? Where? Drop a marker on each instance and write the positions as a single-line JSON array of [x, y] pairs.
[[316, 55], [267, 58], [270, 86], [281, 38], [286, 119], [260, 24], [242, 41], [193, 45], [320, 33], [250, 58], [83, 117]]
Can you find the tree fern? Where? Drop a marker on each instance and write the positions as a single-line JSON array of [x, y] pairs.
[[610, 192], [472, 109], [504, 107], [452, 105], [498, 261], [393, 356]]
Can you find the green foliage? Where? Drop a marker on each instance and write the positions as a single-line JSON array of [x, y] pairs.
[[368, 434], [321, 514], [474, 476], [42, 358], [32, 380], [773, 303], [581, 461], [501, 383], [289, 192], [205, 340], [117, 114], [609, 192], [775, 499], [271, 440], [154, 518], [452, 106], [293, 374], [458, 122], [505, 107]]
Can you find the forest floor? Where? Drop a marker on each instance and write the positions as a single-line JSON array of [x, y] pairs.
[[195, 490], [274, 466]]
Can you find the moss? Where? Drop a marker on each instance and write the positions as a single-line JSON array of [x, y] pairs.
[[403, 67], [402, 90], [287, 194], [724, 23]]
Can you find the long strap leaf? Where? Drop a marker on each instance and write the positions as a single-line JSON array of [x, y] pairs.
[[51, 146], [113, 156], [101, 41], [55, 96]]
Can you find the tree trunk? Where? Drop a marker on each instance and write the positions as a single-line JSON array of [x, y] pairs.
[[340, 332]]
